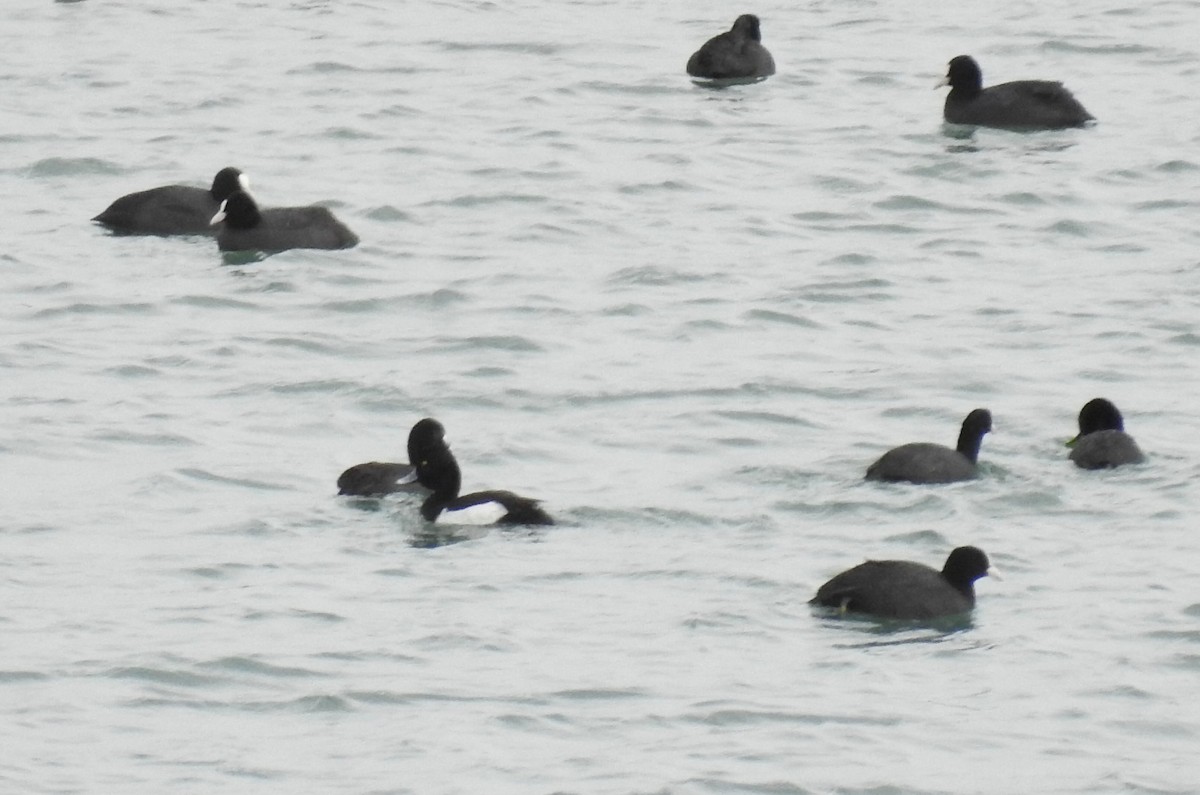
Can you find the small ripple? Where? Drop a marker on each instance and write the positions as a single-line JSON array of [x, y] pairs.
[[909, 202], [332, 386], [473, 200], [212, 477], [307, 615], [844, 292], [1190, 636], [235, 258], [1123, 48], [224, 571], [163, 676], [349, 134], [654, 275], [324, 67], [499, 343], [647, 188], [1023, 199], [929, 538], [489, 372], [444, 535], [152, 439], [22, 676], [71, 166], [388, 697], [131, 371], [785, 318], [1164, 204], [97, 309], [338, 67], [756, 417], [306, 344], [1176, 166], [765, 788], [213, 302], [656, 517], [249, 665], [387, 212], [1187, 662], [1069, 226], [899, 632], [822, 216], [361, 306], [748, 717], [884, 229], [520, 47], [313, 703], [598, 694]]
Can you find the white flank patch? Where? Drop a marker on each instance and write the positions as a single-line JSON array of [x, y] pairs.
[[484, 513]]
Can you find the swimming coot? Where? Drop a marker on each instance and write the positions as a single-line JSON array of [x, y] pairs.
[[438, 471], [902, 589], [376, 478], [244, 227], [923, 462], [1020, 105], [736, 53], [1102, 442], [172, 209]]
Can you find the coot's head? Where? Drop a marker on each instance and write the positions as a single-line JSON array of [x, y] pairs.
[[977, 423], [964, 74], [238, 212], [227, 181], [1099, 414], [747, 25], [964, 566]]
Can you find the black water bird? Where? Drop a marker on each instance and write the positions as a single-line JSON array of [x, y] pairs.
[[438, 471], [244, 227], [901, 589], [1102, 442], [1019, 105], [736, 53], [172, 209], [377, 478], [924, 462]]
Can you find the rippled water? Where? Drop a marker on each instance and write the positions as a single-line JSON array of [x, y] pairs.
[[685, 318]]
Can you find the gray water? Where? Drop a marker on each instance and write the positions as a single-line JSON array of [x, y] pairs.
[[685, 318]]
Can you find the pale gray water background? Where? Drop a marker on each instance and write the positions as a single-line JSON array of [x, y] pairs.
[[687, 319]]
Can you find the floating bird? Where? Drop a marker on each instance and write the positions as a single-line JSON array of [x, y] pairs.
[[1019, 105], [376, 478], [438, 471], [902, 589], [1102, 442], [244, 227], [924, 462], [736, 53], [172, 209]]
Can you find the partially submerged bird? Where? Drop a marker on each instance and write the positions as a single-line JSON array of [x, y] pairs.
[[736, 53], [1019, 105], [924, 462], [172, 209], [438, 471], [1102, 442], [901, 589], [377, 478], [244, 227]]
